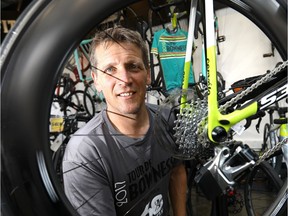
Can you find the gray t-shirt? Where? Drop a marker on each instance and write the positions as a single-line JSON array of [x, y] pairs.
[[108, 173]]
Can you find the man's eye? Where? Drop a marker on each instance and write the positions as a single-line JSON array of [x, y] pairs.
[[134, 67], [110, 70]]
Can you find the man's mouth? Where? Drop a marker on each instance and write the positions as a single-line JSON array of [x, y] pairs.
[[126, 94]]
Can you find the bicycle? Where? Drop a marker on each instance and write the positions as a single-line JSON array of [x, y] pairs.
[[274, 131], [31, 183], [72, 100]]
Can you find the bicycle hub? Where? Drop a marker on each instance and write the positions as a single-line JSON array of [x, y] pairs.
[[219, 134]]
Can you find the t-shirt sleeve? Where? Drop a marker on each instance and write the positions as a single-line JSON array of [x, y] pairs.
[[85, 181], [154, 47]]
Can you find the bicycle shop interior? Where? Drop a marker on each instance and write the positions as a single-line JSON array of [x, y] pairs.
[[237, 39]]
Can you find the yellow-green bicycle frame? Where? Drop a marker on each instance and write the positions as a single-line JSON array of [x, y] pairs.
[[216, 120]]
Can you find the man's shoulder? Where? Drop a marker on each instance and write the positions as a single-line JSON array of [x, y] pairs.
[[93, 124], [88, 132], [162, 110], [87, 140], [152, 107]]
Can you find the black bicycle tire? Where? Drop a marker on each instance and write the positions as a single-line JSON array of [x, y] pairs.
[[83, 96], [30, 182], [57, 159], [273, 178], [70, 105], [87, 97]]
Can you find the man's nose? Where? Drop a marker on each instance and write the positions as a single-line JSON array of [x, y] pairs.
[[125, 76]]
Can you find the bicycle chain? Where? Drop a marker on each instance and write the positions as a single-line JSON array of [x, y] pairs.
[[259, 82], [271, 151]]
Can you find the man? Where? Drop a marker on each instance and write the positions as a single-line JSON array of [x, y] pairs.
[[114, 165]]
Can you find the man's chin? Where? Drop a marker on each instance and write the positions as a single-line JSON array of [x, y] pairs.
[[129, 110]]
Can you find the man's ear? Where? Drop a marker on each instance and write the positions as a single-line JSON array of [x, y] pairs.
[[95, 80]]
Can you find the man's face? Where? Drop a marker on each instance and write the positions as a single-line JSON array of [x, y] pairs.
[[124, 81]]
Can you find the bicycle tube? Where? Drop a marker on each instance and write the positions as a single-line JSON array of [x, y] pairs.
[[187, 64], [219, 124], [32, 65], [269, 175]]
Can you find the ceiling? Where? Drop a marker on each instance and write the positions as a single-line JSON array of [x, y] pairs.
[[14, 4]]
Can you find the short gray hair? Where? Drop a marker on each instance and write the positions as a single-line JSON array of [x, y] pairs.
[[118, 35]]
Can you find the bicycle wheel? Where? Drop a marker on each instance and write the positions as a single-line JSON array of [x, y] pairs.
[[261, 188], [48, 37], [79, 102], [91, 96], [89, 104], [33, 55]]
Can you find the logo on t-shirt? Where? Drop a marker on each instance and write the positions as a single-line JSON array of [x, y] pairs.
[[155, 207]]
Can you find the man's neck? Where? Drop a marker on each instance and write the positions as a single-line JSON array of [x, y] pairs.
[[132, 125]]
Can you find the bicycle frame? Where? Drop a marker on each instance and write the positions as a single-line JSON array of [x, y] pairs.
[[283, 131], [189, 48], [86, 55], [218, 123]]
